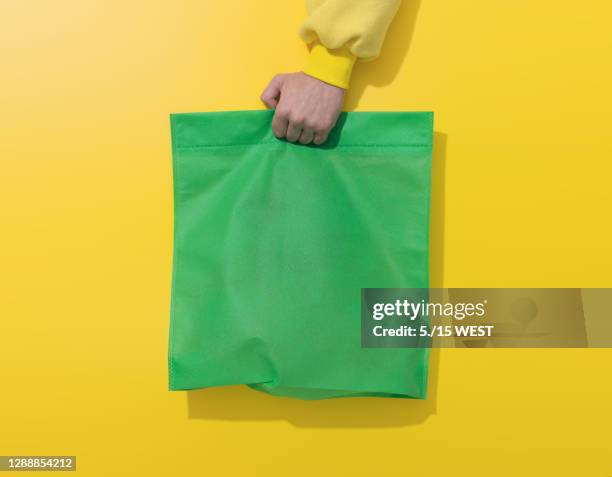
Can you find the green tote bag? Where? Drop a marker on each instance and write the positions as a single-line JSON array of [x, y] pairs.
[[274, 241]]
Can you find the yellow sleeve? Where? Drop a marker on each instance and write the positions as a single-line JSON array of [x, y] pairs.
[[341, 32]]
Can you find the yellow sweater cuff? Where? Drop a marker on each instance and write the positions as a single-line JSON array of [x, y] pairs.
[[332, 66]]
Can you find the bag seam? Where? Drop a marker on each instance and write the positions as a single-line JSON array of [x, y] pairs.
[[216, 146]]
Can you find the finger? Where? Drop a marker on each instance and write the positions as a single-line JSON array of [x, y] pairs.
[[320, 137], [272, 92], [293, 132], [279, 124], [307, 136]]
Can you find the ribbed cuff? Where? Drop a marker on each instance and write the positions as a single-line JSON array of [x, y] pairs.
[[332, 66]]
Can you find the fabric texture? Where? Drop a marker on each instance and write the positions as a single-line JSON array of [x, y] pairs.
[[274, 241], [350, 29]]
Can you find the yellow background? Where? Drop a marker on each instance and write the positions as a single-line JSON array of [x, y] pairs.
[[521, 92]]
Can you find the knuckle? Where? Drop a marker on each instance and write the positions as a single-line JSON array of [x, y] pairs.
[[297, 118], [282, 113], [310, 124], [320, 139], [324, 125]]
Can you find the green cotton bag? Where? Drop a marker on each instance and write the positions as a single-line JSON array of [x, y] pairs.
[[274, 241]]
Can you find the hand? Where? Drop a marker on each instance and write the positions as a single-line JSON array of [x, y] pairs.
[[306, 108]]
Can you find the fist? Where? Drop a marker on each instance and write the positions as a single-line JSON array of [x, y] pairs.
[[306, 109]]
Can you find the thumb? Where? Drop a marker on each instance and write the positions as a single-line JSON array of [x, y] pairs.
[[271, 94]]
